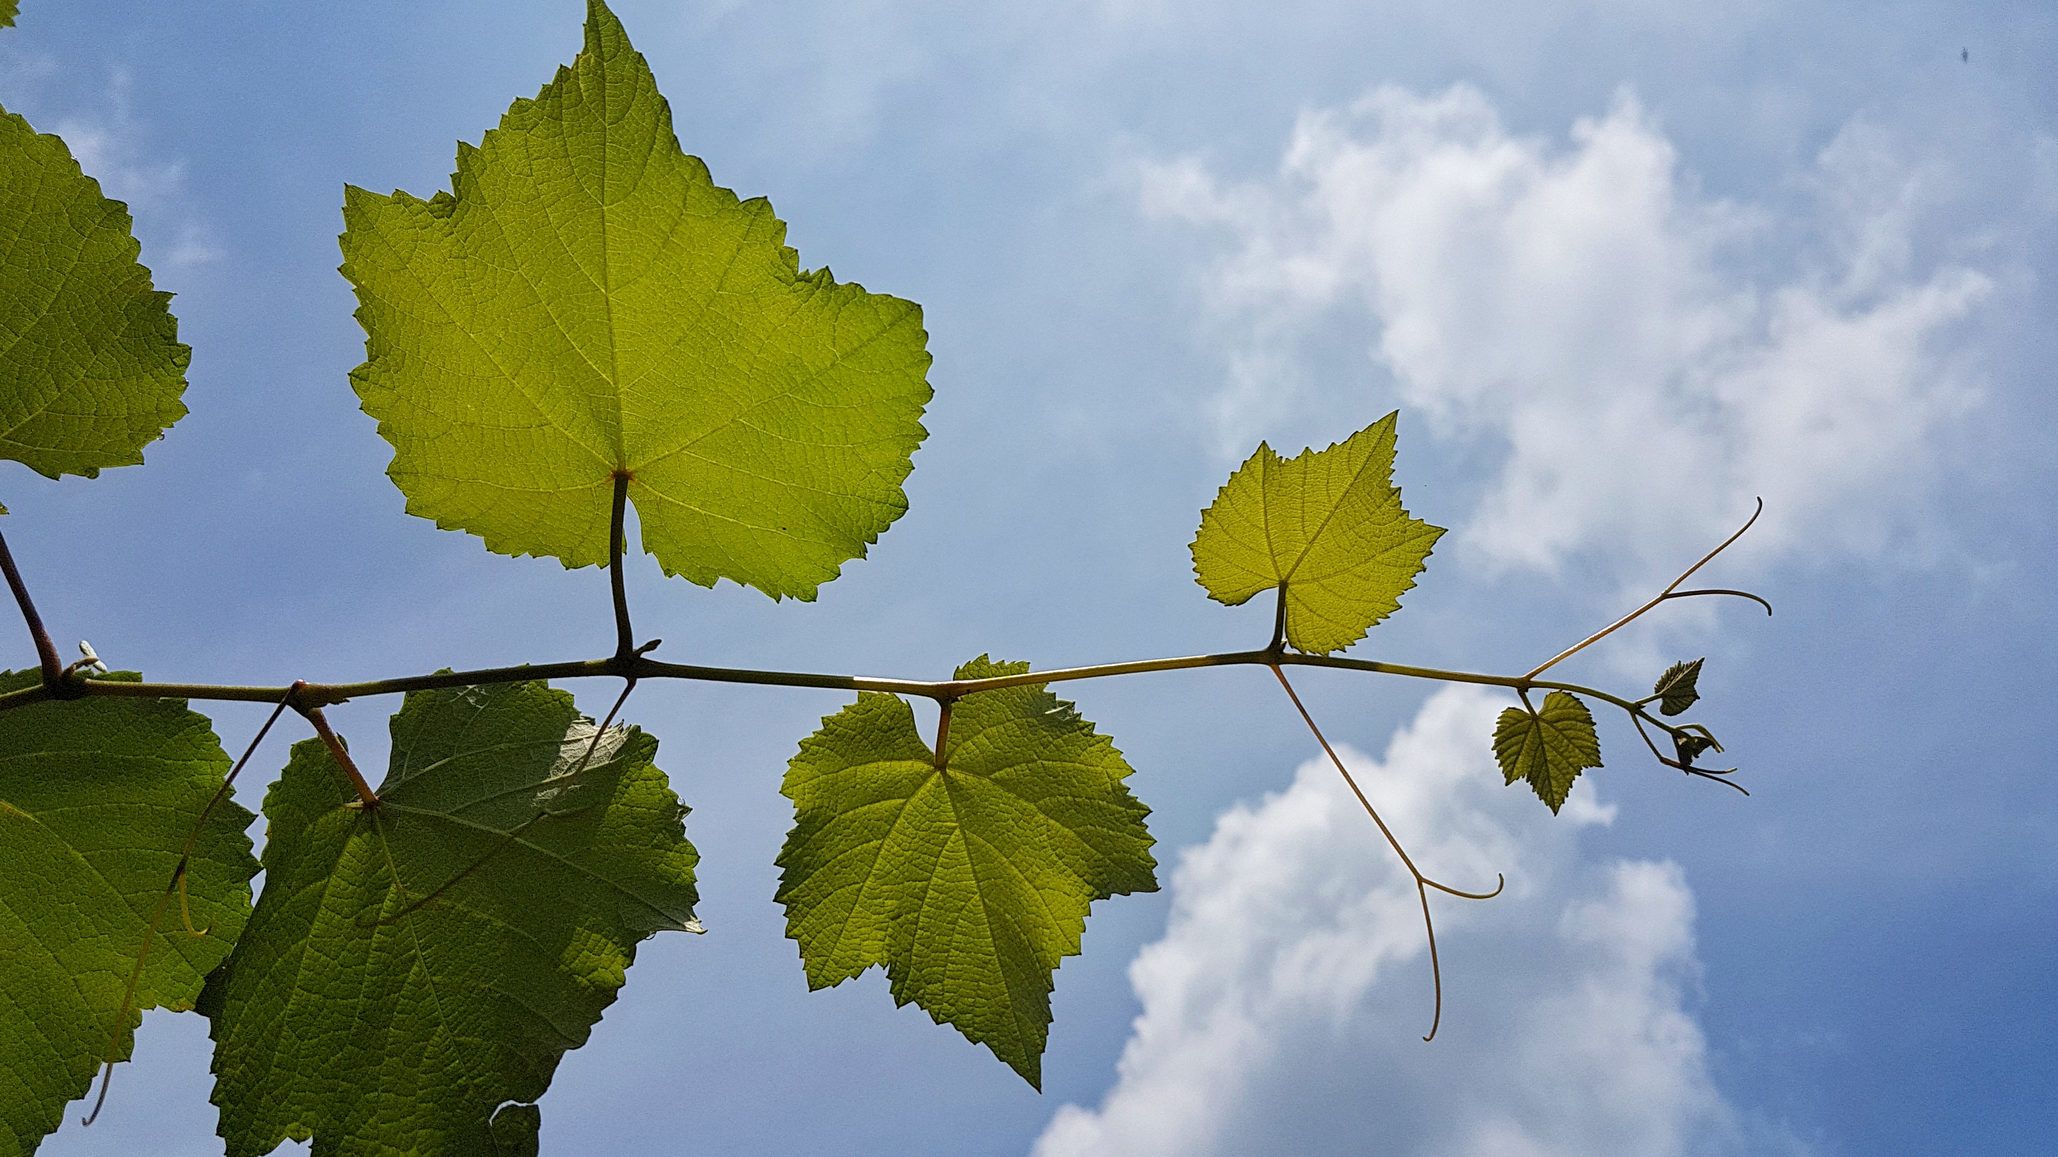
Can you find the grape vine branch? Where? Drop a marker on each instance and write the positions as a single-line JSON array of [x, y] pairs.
[[537, 377], [632, 663]]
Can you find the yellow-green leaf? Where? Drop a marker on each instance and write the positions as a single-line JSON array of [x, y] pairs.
[[587, 303], [969, 880], [1328, 526]]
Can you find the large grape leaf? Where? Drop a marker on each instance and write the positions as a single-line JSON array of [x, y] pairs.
[[91, 368], [1548, 748], [98, 799], [587, 303], [413, 967], [1327, 526], [969, 881]]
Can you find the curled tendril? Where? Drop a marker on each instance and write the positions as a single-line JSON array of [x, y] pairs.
[[1671, 591], [1759, 599]]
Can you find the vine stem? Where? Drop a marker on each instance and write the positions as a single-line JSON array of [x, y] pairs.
[[1671, 591], [1422, 883], [317, 695], [310, 698], [46, 650]]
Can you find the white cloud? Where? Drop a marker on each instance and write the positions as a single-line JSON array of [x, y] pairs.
[[1639, 358], [1283, 1007], [113, 147]]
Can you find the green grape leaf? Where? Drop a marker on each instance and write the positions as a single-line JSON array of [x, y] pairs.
[[1327, 526], [516, 1131], [413, 967], [98, 799], [1677, 689], [91, 368], [969, 882], [8, 8], [1548, 748], [588, 304]]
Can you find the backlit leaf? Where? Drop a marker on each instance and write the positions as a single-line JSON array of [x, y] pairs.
[[98, 798], [413, 968], [588, 303], [1328, 526], [91, 368], [970, 882], [1548, 748]]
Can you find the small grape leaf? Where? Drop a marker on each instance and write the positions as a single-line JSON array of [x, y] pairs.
[[970, 882], [1326, 525], [91, 368], [1548, 748], [414, 967], [1677, 688], [8, 8], [98, 798], [587, 303]]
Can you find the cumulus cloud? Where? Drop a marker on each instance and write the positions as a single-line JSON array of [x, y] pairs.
[[1283, 1007], [1637, 358]]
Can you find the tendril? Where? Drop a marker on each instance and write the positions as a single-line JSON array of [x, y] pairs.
[[1422, 882], [1671, 591]]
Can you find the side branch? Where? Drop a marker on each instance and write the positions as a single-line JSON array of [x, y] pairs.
[[46, 651]]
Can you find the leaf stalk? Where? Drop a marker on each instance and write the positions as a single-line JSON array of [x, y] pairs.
[[339, 753]]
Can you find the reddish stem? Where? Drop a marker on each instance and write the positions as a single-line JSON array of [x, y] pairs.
[[341, 755], [46, 651]]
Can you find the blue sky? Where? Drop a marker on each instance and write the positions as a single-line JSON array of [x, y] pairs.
[[1622, 267]]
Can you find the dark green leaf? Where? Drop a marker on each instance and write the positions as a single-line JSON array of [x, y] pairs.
[[411, 968], [91, 368], [1548, 748], [98, 798], [1677, 688]]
